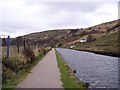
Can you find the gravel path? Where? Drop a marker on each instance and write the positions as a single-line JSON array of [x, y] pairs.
[[44, 75]]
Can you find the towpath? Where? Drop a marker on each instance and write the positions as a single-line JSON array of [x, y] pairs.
[[44, 75]]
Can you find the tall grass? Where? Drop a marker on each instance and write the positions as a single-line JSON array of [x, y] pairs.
[[13, 50]]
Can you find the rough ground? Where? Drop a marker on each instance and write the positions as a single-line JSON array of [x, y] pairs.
[[44, 75]]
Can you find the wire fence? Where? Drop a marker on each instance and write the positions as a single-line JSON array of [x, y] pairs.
[[11, 48]]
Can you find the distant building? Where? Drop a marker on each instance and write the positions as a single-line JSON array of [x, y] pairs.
[[83, 40], [72, 46]]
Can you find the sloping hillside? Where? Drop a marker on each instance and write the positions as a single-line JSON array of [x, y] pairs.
[[107, 44], [60, 37]]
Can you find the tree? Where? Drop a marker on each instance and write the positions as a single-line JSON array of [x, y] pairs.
[[4, 42], [89, 28], [90, 38], [59, 45], [83, 33]]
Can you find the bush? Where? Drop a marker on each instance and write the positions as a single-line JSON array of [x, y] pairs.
[[15, 63], [41, 51], [6, 74], [83, 33], [59, 45], [29, 54], [90, 38], [74, 31], [112, 28]]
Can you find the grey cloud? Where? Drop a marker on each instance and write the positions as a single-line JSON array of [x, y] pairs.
[[73, 20], [75, 6], [51, 15], [84, 7]]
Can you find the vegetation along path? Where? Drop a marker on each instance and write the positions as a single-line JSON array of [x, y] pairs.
[[44, 75]]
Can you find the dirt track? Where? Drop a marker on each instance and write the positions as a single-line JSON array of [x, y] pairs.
[[44, 75]]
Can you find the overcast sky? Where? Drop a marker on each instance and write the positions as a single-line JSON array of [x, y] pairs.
[[20, 17]]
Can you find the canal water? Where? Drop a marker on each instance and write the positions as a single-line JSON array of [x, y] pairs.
[[98, 70]]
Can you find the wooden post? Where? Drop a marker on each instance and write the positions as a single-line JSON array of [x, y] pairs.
[[38, 44], [34, 45], [18, 45], [24, 43], [29, 44]]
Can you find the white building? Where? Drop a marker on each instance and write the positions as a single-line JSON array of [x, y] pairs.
[[72, 46], [83, 40]]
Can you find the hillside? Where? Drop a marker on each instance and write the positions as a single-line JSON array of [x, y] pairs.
[[52, 38], [107, 44], [66, 37], [106, 40]]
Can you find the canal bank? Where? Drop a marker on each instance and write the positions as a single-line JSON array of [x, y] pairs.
[[68, 77], [113, 54]]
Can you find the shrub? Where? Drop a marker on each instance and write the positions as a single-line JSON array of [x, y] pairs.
[[59, 45], [90, 38], [89, 28], [29, 54], [112, 28], [83, 33], [6, 74], [41, 51], [74, 31], [15, 63]]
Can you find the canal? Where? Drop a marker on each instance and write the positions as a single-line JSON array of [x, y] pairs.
[[98, 70]]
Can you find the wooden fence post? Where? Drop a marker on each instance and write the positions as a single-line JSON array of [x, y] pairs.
[[24, 43], [18, 45]]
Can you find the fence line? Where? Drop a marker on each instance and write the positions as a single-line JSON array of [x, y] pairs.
[[9, 49]]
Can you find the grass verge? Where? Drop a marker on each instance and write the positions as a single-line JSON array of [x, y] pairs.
[[20, 76], [68, 78]]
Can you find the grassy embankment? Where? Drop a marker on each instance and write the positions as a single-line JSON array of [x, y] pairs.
[[106, 45], [68, 78], [15, 69]]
